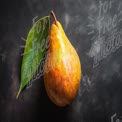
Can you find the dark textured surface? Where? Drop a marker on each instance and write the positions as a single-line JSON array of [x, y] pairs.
[[99, 97]]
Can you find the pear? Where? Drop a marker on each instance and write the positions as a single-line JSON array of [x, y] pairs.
[[62, 79]]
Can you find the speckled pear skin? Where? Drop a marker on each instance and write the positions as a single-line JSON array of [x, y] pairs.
[[62, 81]]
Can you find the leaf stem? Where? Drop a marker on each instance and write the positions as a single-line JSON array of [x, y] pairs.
[[18, 93], [54, 17]]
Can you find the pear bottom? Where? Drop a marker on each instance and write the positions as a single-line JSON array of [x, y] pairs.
[[61, 89]]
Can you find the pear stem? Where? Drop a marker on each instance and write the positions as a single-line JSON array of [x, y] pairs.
[[54, 17]]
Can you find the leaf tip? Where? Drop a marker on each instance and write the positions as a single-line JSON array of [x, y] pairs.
[[18, 93]]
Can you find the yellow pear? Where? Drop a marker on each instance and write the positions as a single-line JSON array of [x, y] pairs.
[[62, 79]]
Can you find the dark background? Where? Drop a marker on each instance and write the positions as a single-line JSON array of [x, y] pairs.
[[100, 93]]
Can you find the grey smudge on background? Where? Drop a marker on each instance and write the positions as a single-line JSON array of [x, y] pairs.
[[93, 7], [12, 65], [95, 49], [84, 85], [115, 67], [3, 56], [67, 19]]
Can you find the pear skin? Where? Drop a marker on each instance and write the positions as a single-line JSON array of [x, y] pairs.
[[62, 79]]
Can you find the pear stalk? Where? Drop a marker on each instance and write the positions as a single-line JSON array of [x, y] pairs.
[[54, 17]]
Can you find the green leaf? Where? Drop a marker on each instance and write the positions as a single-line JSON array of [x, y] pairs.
[[34, 51]]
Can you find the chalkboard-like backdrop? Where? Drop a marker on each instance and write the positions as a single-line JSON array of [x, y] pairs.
[[94, 27]]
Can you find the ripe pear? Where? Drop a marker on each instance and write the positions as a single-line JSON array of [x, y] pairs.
[[62, 79]]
